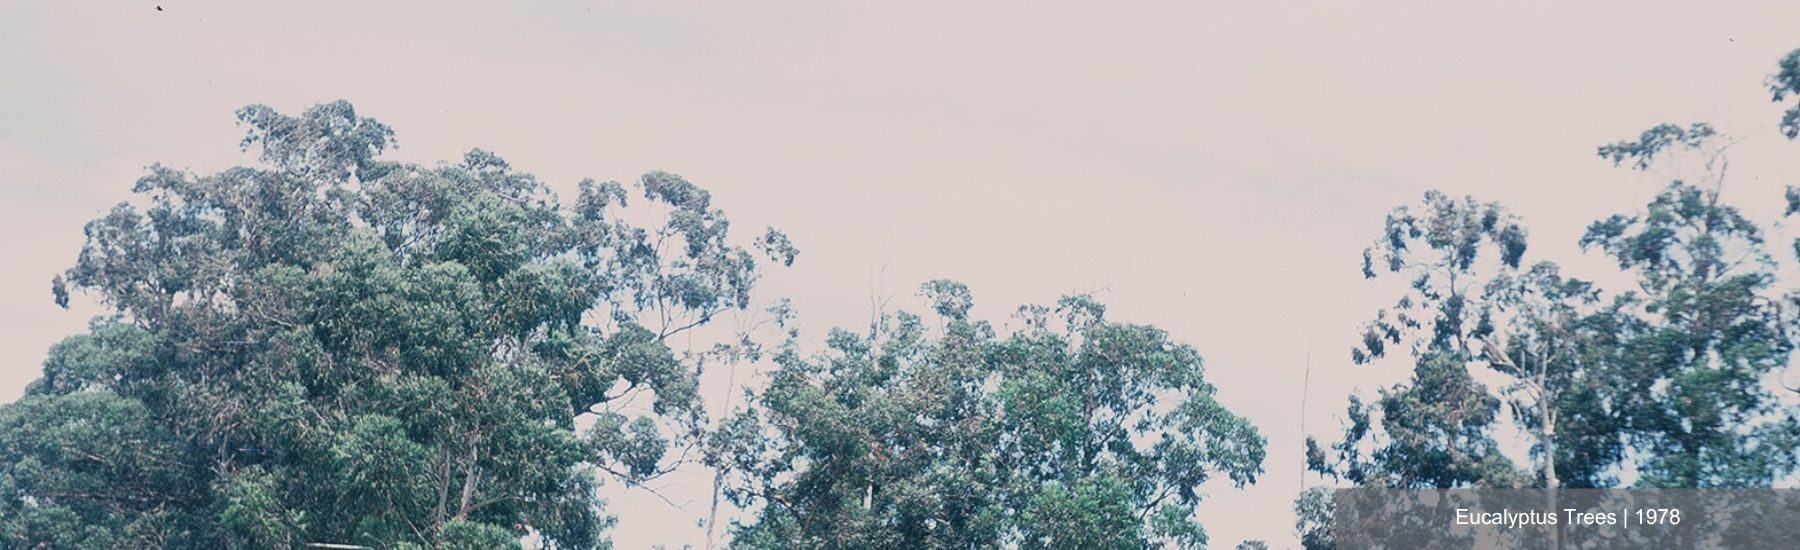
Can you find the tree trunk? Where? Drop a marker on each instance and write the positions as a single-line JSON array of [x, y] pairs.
[[468, 488], [1547, 416]]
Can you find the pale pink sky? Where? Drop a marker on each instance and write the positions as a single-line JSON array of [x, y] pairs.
[[1213, 169]]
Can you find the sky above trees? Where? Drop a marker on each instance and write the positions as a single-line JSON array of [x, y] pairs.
[[1214, 173]]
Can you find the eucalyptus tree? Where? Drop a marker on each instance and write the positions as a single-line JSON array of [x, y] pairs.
[[1071, 432], [1436, 430], [330, 347], [1677, 369], [1704, 330]]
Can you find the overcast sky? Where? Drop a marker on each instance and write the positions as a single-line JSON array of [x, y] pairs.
[[1214, 170]]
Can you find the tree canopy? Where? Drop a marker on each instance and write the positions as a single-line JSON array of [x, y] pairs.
[[1072, 432], [332, 347], [336, 348], [1671, 382]]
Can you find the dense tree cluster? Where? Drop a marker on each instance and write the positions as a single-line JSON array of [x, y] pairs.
[[334, 348], [1073, 432]]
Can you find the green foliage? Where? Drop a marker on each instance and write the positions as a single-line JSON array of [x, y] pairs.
[[1654, 142], [95, 470], [1435, 430], [1087, 434], [254, 516], [950, 299], [466, 535], [336, 348], [1440, 249], [1695, 343], [1095, 513], [1312, 519], [1669, 381], [332, 347], [1785, 82]]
